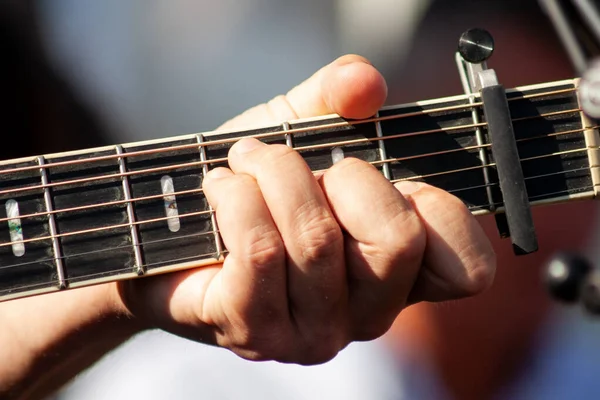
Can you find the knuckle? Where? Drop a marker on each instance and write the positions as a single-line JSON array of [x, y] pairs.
[[481, 271], [319, 236], [264, 247], [405, 237], [321, 345], [371, 330], [261, 344], [280, 108]]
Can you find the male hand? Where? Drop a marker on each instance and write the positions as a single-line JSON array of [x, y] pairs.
[[316, 263]]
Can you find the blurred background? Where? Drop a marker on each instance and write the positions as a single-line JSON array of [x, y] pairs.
[[80, 73]]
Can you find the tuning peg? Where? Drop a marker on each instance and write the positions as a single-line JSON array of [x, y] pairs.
[[566, 274]]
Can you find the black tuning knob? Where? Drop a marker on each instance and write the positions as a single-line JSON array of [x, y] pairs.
[[566, 274], [476, 45]]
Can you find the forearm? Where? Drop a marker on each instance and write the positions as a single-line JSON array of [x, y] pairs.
[[46, 340]]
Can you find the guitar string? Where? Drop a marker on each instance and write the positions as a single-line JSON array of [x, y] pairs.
[[105, 273], [105, 228], [542, 196], [105, 204], [466, 107], [390, 160], [199, 190], [119, 247], [214, 255], [209, 212], [220, 160]]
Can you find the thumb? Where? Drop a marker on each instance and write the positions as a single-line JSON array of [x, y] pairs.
[[350, 86]]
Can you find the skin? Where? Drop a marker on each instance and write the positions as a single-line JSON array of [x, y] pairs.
[[314, 264]]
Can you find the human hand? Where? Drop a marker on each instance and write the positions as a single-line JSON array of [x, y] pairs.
[[316, 263]]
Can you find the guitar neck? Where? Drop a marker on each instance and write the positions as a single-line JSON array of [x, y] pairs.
[[105, 214]]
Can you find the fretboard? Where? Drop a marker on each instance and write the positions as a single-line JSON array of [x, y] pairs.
[[80, 218]]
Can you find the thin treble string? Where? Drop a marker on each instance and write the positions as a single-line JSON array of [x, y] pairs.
[[274, 134], [119, 247], [106, 204], [187, 215], [224, 159], [583, 189], [104, 228], [200, 257]]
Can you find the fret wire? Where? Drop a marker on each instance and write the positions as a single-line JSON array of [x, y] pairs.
[[56, 248], [197, 163], [99, 229], [482, 155], [103, 228], [382, 150], [289, 139], [213, 216], [200, 190], [292, 132], [124, 246], [137, 251], [592, 139]]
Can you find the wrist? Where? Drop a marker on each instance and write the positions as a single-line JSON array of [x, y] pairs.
[[53, 337]]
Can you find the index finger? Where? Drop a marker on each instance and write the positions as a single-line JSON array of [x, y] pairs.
[[350, 86]]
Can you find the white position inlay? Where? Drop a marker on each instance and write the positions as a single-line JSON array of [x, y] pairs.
[[166, 183], [15, 228], [337, 154]]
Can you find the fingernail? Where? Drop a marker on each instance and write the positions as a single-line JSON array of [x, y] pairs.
[[408, 187], [246, 145]]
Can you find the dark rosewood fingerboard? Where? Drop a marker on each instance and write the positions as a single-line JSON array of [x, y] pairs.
[[106, 214], [97, 253], [36, 268], [437, 147], [555, 162], [194, 238]]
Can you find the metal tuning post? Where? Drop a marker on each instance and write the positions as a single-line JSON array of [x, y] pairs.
[[474, 48]]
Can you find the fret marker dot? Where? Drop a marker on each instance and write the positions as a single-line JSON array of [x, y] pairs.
[[173, 222], [337, 154], [15, 228]]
